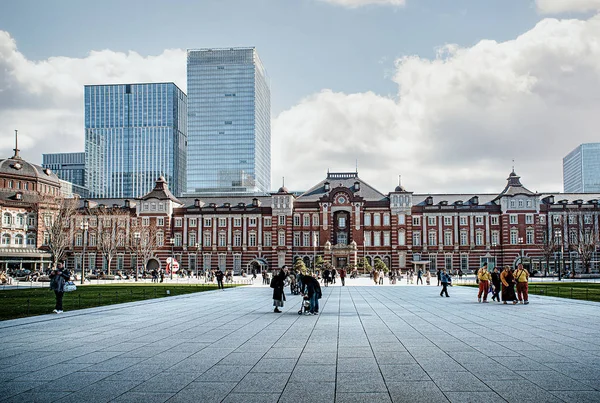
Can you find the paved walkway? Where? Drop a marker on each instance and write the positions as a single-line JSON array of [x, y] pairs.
[[370, 344]]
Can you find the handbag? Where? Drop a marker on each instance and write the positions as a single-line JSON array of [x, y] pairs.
[[70, 286]]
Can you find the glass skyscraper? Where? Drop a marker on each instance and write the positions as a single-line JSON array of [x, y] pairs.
[[229, 116], [69, 167], [134, 133], [581, 169]]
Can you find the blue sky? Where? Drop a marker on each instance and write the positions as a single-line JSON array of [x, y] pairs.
[[445, 92], [306, 45]]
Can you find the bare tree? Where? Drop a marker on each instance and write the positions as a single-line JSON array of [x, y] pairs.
[[143, 240], [548, 247], [586, 244], [111, 232], [54, 215]]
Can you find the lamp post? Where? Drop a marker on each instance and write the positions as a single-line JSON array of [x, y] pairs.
[[520, 240], [84, 227], [562, 251], [197, 249], [172, 242], [136, 235], [494, 244]]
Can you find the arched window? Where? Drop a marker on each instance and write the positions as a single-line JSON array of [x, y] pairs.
[[5, 239], [7, 219], [20, 220], [30, 240], [19, 239]]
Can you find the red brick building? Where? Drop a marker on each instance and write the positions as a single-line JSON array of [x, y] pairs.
[[341, 218]]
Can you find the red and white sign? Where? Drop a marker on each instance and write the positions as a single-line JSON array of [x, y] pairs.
[[172, 263]]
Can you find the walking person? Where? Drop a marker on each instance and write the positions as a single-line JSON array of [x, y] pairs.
[[420, 276], [496, 285], [381, 276], [277, 284], [333, 275], [444, 280], [508, 286], [522, 278], [484, 277], [58, 279], [219, 275], [343, 276], [439, 276], [375, 276], [428, 277]]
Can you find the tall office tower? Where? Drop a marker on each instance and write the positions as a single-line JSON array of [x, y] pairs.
[[134, 133], [69, 167], [581, 169], [229, 115]]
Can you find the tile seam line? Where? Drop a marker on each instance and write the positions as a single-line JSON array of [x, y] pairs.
[[443, 393]]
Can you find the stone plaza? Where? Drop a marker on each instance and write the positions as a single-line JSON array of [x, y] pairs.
[[369, 344]]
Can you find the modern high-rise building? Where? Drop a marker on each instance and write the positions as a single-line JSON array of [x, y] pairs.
[[69, 167], [134, 133], [229, 118], [581, 169]]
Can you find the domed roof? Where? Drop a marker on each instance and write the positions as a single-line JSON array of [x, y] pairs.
[[399, 189], [18, 167], [283, 189]]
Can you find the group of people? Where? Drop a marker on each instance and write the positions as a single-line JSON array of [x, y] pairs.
[[308, 284], [503, 284]]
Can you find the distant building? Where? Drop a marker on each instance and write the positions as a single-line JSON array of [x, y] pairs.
[[581, 169], [229, 115], [134, 133], [69, 167]]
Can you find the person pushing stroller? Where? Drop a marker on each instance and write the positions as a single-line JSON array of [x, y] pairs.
[[312, 290]]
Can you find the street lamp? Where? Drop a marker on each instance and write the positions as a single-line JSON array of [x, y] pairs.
[[172, 242], [520, 240], [197, 249], [84, 227], [136, 235], [494, 244], [562, 252]]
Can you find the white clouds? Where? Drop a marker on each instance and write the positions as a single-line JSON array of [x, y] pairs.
[[459, 119], [361, 3], [44, 99], [566, 6]]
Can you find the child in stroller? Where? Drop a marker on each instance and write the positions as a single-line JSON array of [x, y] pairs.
[[305, 307]]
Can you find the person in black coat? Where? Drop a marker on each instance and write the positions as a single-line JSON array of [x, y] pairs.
[[313, 290], [277, 284], [58, 279], [496, 285], [219, 275]]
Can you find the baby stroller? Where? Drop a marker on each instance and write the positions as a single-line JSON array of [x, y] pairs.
[[305, 307]]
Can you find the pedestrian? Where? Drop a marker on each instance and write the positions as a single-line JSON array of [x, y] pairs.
[[484, 277], [428, 277], [219, 275], [496, 285], [439, 276], [522, 278], [420, 276], [162, 276], [313, 290], [333, 275], [508, 286], [381, 276], [326, 274], [444, 280], [412, 276], [375, 276], [343, 276], [58, 279], [277, 284]]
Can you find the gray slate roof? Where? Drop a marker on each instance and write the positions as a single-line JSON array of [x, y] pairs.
[[366, 191]]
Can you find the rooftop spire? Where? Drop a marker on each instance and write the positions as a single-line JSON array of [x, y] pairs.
[[16, 149]]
